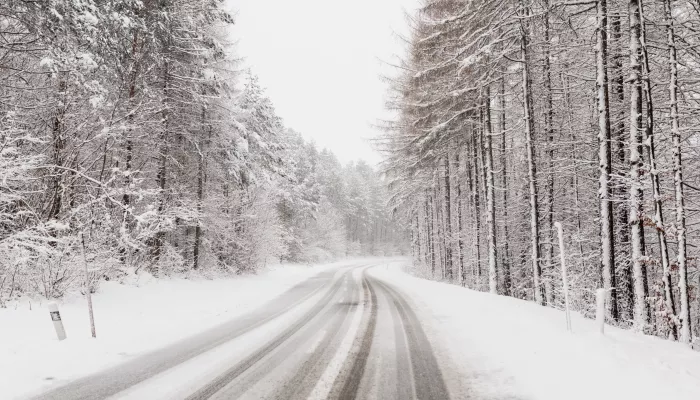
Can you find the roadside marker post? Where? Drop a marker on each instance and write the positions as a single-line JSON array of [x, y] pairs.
[[57, 323]]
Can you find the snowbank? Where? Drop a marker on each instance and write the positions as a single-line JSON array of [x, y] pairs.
[[503, 348], [131, 319]]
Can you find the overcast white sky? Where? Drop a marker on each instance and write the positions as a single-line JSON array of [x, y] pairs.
[[321, 62]]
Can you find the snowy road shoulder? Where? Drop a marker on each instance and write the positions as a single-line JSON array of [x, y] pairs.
[[131, 320], [502, 348]]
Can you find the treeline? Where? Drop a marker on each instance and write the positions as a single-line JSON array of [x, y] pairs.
[[516, 114], [130, 141]]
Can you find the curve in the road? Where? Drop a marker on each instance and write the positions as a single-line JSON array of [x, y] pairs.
[[345, 356]]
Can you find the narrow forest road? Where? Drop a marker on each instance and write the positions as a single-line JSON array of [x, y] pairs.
[[343, 334]]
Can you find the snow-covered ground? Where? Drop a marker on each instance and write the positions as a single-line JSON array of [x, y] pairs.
[[489, 346], [130, 318], [503, 348]]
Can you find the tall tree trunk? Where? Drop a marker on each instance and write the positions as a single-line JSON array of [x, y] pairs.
[[490, 196], [423, 232], [678, 178], [530, 149], [635, 163], [58, 159], [481, 152], [469, 220], [622, 230], [473, 170], [128, 143], [439, 220], [198, 227], [505, 264], [655, 182], [162, 161], [429, 228], [460, 240], [433, 234], [128, 139], [607, 243], [549, 134], [447, 215], [200, 197], [415, 238]]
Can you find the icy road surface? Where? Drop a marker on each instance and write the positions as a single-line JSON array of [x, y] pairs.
[[342, 334]]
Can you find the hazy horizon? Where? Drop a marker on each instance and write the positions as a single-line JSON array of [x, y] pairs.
[[330, 88]]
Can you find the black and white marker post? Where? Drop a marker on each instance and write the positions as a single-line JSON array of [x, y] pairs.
[[57, 323]]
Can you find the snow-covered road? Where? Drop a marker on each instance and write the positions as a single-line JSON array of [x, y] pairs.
[[360, 329], [343, 334]]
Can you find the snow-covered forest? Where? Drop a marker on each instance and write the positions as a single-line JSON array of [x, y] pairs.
[[370, 199], [513, 115], [131, 139]]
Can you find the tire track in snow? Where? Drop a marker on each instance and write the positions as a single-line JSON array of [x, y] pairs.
[[317, 334], [428, 381], [300, 385], [231, 374], [324, 387], [121, 377], [352, 384]]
